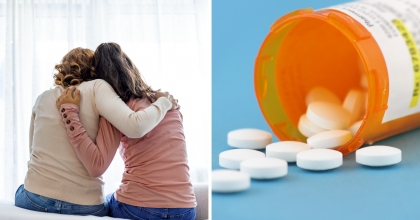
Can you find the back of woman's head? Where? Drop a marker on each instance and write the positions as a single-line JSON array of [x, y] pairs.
[[114, 66], [75, 68]]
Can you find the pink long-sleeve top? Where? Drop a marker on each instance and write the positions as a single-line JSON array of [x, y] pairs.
[[156, 170]]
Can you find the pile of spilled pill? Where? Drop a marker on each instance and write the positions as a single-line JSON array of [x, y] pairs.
[[328, 123]]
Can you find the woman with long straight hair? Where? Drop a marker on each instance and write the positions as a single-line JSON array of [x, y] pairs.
[[57, 181], [156, 183]]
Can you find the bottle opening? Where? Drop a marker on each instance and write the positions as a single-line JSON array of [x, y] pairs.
[[297, 56], [314, 53]]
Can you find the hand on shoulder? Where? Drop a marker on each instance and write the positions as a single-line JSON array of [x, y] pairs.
[[167, 95], [67, 97]]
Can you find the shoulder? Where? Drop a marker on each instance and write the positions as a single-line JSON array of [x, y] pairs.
[[94, 83], [175, 113], [49, 93], [38, 99], [47, 96], [99, 84], [96, 87], [138, 104]]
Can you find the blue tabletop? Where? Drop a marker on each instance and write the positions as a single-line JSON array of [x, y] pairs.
[[352, 191]]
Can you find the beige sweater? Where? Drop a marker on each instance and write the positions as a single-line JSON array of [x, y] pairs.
[[54, 170]]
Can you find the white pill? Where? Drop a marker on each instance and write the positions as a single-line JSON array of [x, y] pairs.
[[308, 128], [232, 159], [329, 139], [354, 103], [355, 127], [264, 168], [286, 150], [249, 138], [328, 116], [364, 81], [321, 94], [319, 159], [377, 156], [228, 181]]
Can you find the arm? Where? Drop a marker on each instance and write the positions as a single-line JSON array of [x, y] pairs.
[[95, 157], [31, 127], [132, 124], [31, 134]]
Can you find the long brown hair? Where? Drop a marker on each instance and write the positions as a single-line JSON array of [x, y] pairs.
[[114, 66], [75, 68]]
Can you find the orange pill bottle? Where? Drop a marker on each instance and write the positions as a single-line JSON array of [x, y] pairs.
[[335, 48]]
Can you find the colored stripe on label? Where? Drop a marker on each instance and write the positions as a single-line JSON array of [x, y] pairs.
[[415, 58]]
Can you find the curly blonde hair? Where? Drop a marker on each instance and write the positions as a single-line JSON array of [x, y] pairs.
[[75, 68]]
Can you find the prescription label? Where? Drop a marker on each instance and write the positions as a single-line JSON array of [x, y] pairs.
[[414, 53], [395, 25]]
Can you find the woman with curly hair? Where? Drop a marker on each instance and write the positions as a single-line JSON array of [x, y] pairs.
[[57, 181]]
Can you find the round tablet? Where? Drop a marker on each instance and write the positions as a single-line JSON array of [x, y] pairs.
[[308, 128], [286, 150], [249, 138], [228, 181], [355, 127], [321, 94], [319, 159], [354, 103], [377, 156], [264, 168], [364, 81], [328, 116], [232, 159], [329, 139]]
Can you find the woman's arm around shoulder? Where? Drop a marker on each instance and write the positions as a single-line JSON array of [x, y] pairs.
[[132, 124]]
